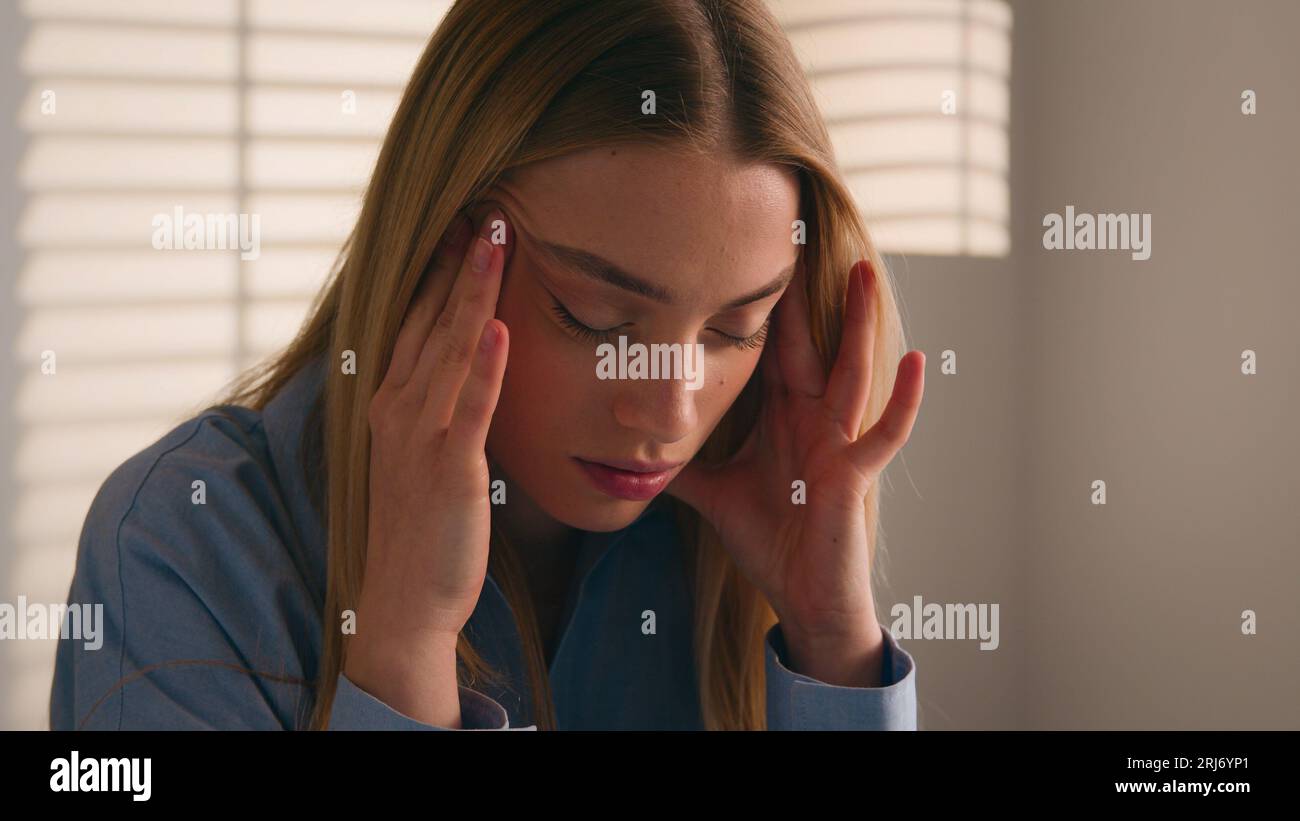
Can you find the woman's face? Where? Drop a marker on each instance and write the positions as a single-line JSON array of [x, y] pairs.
[[653, 245]]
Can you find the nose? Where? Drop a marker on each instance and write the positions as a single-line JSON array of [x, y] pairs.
[[661, 408]]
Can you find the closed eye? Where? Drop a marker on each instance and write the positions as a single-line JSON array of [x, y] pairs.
[[587, 333], [581, 329], [748, 343]]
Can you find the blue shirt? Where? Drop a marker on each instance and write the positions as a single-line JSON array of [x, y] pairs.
[[239, 582]]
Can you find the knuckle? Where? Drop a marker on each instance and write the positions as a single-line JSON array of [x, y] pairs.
[[456, 351], [445, 325], [474, 407], [435, 437]]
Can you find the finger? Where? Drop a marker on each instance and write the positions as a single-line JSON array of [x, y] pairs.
[[801, 367], [850, 380], [423, 308], [477, 401], [878, 445], [473, 300]]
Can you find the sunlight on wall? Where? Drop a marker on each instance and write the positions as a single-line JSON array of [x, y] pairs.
[[218, 107], [226, 106], [928, 182]]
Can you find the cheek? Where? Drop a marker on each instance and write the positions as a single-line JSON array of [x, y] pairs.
[[725, 378], [549, 393]]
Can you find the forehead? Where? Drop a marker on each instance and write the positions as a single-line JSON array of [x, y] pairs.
[[699, 226]]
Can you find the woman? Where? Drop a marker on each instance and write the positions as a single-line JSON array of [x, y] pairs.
[[433, 510]]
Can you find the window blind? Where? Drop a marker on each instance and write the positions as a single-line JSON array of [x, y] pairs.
[[276, 108]]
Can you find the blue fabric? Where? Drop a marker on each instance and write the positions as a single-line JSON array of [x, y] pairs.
[[239, 582]]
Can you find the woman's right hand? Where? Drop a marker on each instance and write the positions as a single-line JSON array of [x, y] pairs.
[[429, 508]]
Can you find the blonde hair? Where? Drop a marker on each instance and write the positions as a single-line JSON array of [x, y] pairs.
[[502, 83]]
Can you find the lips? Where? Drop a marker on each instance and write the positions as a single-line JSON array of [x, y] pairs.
[[630, 480]]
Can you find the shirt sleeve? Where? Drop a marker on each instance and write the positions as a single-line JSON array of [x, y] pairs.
[[799, 702], [193, 592], [205, 619], [355, 709]]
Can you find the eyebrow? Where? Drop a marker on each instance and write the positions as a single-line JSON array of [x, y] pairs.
[[598, 268]]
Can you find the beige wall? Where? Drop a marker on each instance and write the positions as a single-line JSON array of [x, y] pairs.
[[1076, 366], [1085, 365], [1136, 606]]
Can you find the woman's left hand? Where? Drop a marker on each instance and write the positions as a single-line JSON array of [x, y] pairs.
[[811, 559]]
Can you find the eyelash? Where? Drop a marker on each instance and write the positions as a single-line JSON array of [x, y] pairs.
[[586, 332]]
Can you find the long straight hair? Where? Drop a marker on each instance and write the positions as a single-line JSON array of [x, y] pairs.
[[503, 83]]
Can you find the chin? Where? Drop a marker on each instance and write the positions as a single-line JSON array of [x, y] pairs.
[[590, 510]]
